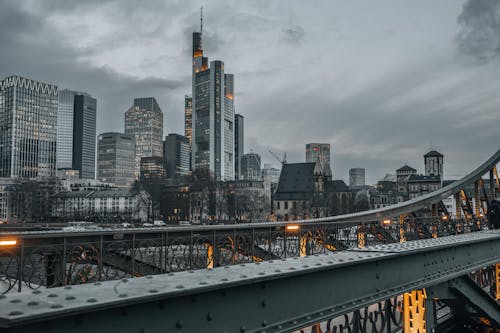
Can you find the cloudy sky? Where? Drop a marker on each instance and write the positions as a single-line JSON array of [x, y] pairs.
[[382, 81]]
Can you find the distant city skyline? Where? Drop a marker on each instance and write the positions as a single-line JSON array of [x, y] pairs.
[[386, 82]]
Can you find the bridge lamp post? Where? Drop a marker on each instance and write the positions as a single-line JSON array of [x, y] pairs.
[[302, 239]]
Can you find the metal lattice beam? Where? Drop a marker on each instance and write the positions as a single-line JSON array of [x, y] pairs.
[[467, 292], [272, 296]]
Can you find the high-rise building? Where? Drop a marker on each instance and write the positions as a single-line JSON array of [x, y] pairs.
[[28, 134], [176, 154], [116, 158], [433, 164], [319, 152], [356, 177], [84, 135], [213, 115], [65, 114], [152, 168], [76, 133], [239, 143], [250, 167], [188, 118], [144, 121]]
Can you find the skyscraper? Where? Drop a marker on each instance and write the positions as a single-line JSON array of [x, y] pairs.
[[28, 134], [319, 152], [84, 135], [116, 158], [76, 132], [213, 115], [188, 118], [152, 169], [176, 155], [239, 143], [250, 167], [65, 114], [144, 121], [356, 177]]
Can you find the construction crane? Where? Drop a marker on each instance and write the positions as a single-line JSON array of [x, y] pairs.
[[281, 160]]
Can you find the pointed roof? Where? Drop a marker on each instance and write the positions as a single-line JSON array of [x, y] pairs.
[[433, 153], [296, 181], [406, 168], [336, 185], [318, 168]]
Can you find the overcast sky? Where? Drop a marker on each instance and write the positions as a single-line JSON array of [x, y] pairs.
[[382, 81]]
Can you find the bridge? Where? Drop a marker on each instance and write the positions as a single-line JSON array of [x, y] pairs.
[[409, 267]]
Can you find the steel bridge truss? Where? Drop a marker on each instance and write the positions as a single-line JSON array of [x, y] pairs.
[[51, 259], [273, 296]]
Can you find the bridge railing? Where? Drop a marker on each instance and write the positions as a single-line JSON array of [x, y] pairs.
[[49, 259]]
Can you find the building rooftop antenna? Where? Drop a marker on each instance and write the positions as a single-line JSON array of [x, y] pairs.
[[201, 19]]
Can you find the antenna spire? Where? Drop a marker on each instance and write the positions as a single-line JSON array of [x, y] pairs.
[[201, 19]]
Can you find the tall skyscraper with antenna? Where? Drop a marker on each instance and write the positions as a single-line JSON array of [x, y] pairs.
[[212, 113]]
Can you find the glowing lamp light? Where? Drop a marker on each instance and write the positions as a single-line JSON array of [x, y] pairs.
[[292, 227], [8, 242], [386, 221], [444, 217]]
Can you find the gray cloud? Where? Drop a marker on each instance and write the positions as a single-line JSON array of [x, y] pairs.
[[31, 49], [294, 34], [380, 99], [480, 29]]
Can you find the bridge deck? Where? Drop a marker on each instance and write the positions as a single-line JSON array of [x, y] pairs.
[[275, 296]]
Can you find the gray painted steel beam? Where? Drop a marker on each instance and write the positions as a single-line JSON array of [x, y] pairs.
[[272, 296], [467, 291]]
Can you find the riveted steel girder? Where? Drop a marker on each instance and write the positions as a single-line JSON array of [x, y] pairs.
[[468, 292], [272, 296]]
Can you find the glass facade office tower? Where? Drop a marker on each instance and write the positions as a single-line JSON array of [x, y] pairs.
[[153, 168], [357, 177], [76, 133], [239, 149], [84, 135], [116, 158], [65, 114], [319, 152], [176, 154], [144, 121], [213, 115], [188, 118], [250, 167], [28, 134]]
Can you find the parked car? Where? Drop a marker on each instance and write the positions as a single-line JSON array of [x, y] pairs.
[[159, 223]]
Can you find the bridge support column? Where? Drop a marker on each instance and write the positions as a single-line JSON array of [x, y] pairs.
[[361, 236], [497, 281], [414, 311], [303, 245], [497, 181], [430, 316], [477, 206], [477, 199], [402, 236], [492, 186], [458, 213], [210, 255]]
